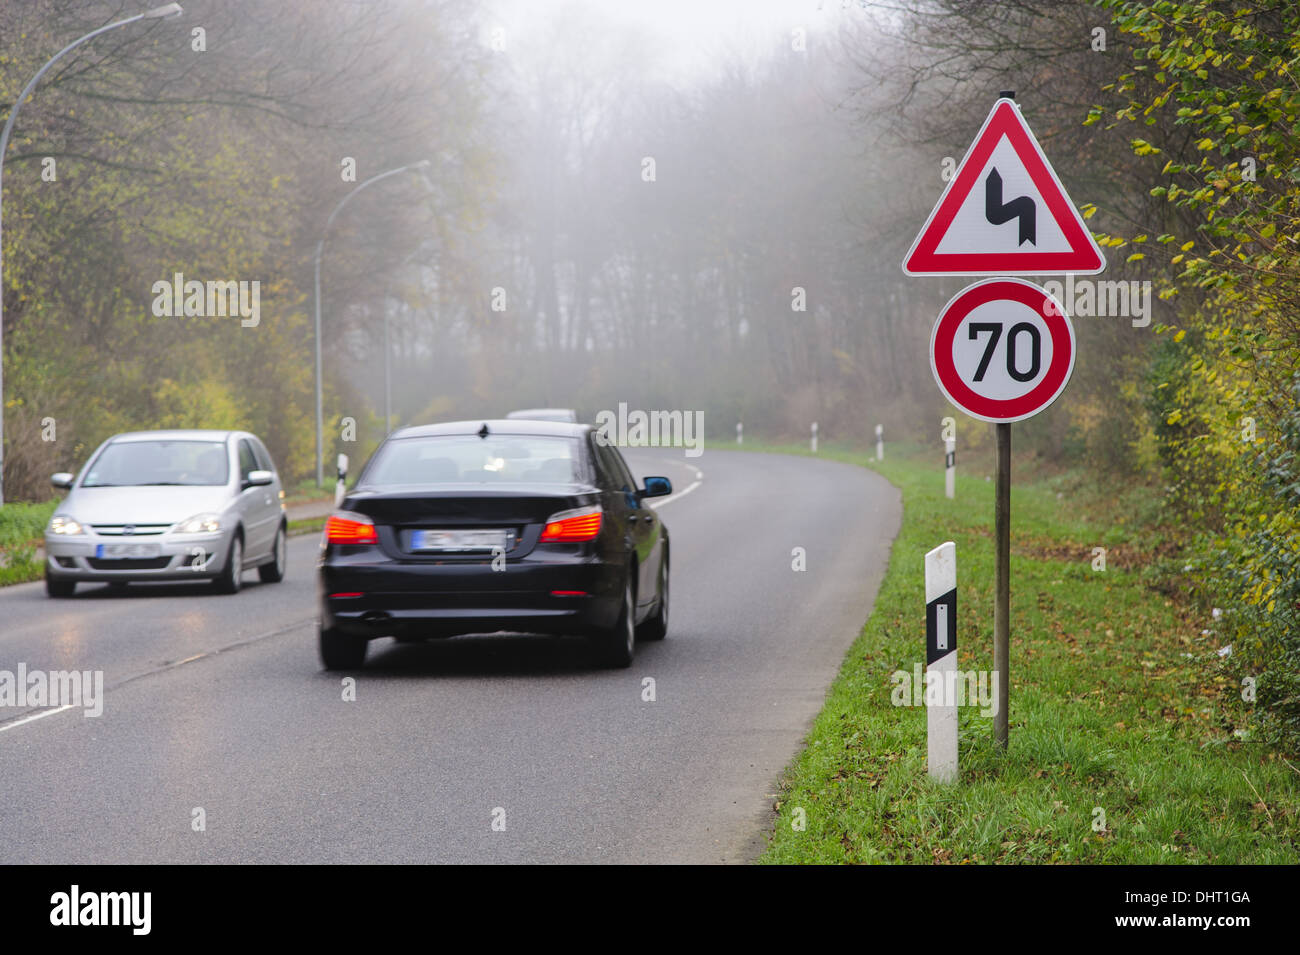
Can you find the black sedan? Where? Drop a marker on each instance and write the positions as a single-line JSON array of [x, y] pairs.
[[488, 526]]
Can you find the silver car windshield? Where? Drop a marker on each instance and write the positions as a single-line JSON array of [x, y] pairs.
[[158, 463], [469, 459]]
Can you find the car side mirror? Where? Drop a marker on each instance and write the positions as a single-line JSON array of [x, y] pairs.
[[259, 478], [657, 487], [62, 480]]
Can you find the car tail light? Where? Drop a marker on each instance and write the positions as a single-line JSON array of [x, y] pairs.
[[582, 524], [348, 528]]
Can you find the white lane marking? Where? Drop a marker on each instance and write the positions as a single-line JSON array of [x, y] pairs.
[[675, 495], [4, 727], [699, 477], [36, 716]]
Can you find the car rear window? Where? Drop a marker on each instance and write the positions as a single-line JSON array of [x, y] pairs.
[[469, 459], [155, 463]]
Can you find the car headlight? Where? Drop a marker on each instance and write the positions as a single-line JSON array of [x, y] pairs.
[[200, 524], [64, 525]]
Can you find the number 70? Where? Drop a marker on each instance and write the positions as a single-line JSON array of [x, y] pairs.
[[995, 330]]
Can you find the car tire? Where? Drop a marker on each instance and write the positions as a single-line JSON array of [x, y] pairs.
[[273, 571], [56, 587], [232, 575], [341, 651], [655, 627], [619, 642]]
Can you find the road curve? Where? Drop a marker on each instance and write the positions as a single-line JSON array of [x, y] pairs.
[[220, 703]]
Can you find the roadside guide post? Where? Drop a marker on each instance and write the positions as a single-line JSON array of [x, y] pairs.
[[1003, 349], [949, 467], [740, 433], [941, 662], [880, 443], [814, 437]]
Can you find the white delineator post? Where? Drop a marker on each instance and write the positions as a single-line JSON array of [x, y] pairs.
[[814, 437], [941, 662], [949, 467], [880, 443], [740, 433]]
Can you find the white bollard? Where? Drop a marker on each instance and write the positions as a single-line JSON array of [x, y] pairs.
[[941, 662], [814, 437], [949, 467], [880, 443], [740, 433]]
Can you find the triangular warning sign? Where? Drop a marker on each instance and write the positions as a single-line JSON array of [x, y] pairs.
[[1004, 212]]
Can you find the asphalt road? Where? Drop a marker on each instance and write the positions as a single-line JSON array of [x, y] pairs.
[[220, 703]]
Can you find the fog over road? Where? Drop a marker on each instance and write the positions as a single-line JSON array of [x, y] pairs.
[[220, 702]]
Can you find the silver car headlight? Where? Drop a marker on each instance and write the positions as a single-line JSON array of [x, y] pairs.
[[200, 524], [64, 525]]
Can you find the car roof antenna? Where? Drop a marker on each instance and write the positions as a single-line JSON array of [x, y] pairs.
[[483, 431]]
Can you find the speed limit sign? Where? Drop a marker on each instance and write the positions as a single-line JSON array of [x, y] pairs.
[[1002, 350]]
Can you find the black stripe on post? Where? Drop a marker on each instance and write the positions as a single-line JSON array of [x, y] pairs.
[[940, 643]]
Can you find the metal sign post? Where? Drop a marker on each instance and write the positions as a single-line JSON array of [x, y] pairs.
[[1002, 581], [1003, 349]]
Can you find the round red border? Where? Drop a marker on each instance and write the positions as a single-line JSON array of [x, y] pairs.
[[1002, 409]]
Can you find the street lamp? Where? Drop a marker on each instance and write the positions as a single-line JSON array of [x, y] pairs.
[[320, 247], [157, 13]]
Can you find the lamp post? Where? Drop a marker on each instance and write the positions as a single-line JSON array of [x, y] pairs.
[[157, 13], [320, 247]]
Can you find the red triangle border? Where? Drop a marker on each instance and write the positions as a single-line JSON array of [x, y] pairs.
[[1083, 257]]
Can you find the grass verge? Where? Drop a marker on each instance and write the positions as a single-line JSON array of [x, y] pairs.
[[1124, 740], [21, 528]]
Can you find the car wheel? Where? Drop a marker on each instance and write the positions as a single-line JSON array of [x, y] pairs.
[[54, 587], [232, 575], [341, 651], [620, 642], [656, 626], [273, 572]]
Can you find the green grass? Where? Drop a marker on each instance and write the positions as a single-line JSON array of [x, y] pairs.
[[308, 525], [1117, 702], [21, 529], [306, 490]]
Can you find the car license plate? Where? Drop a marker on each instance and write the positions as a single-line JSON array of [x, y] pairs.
[[459, 540], [125, 551]]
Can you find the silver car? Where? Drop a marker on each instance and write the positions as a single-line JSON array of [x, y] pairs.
[[544, 414], [168, 505]]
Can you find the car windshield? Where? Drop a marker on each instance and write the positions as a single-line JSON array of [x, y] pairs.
[[469, 459], [153, 463]]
